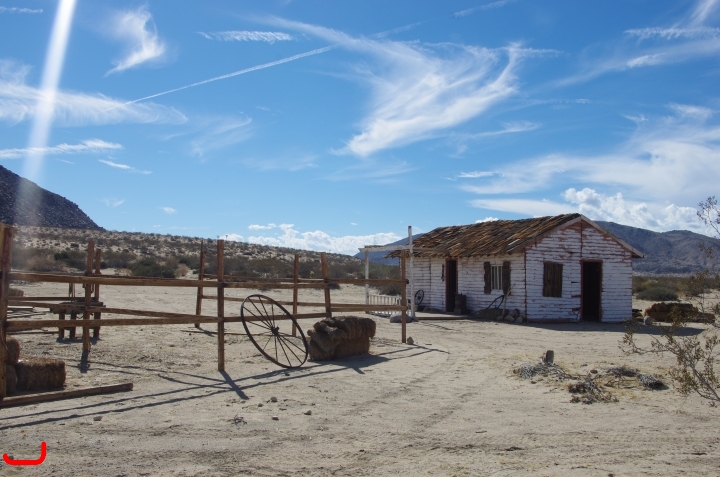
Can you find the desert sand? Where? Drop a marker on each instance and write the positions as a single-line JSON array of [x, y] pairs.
[[448, 405]]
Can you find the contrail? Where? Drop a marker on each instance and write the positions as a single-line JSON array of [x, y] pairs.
[[230, 75]]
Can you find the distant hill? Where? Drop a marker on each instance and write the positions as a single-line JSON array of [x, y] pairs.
[[379, 257], [38, 207], [674, 252]]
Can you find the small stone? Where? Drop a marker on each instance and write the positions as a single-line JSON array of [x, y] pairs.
[[97, 418], [260, 404], [273, 399], [410, 340], [594, 371], [275, 418], [647, 321], [308, 412]]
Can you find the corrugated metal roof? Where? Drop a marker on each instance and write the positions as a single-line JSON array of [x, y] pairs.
[[498, 237]]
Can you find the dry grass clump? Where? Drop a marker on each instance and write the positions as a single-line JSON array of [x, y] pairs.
[[35, 373], [335, 338]]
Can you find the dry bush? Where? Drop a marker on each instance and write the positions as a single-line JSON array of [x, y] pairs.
[[43, 264]]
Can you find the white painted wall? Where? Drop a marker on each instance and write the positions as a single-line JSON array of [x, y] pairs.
[[567, 247]]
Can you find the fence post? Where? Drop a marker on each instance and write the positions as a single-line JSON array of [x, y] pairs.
[[97, 315], [403, 295], [88, 295], [6, 238], [296, 278], [201, 276], [325, 274], [367, 277], [221, 303]]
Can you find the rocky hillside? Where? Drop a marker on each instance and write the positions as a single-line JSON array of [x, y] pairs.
[[674, 252], [37, 206]]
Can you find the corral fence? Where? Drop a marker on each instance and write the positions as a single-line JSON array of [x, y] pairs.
[[92, 280], [378, 302]]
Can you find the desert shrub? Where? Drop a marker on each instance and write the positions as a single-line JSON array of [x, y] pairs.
[[72, 259], [43, 263], [658, 293], [192, 261], [147, 267], [117, 259], [181, 270]]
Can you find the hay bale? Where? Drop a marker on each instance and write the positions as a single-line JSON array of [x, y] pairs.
[[35, 373], [16, 292], [13, 350], [352, 348], [11, 379], [335, 338], [664, 312]]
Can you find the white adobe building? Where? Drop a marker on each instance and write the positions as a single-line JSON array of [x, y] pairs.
[[553, 269]]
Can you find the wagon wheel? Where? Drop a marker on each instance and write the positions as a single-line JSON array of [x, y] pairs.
[[419, 296], [261, 316]]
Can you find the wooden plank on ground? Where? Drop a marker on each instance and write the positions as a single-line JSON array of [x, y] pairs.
[[57, 395]]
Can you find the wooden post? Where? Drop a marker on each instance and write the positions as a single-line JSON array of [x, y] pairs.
[[296, 278], [88, 295], [367, 276], [325, 274], [412, 272], [97, 315], [201, 275], [221, 304], [403, 295], [6, 237]]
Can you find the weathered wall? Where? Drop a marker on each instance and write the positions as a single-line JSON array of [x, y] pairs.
[[568, 247], [429, 278]]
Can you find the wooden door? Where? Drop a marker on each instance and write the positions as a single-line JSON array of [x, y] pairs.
[[591, 298]]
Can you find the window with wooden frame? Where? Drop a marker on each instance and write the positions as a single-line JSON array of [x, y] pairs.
[[496, 277], [552, 279]]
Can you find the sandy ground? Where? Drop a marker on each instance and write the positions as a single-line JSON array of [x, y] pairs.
[[448, 405]]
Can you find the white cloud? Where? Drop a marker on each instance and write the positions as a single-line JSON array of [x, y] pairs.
[[321, 241], [113, 202], [475, 174], [615, 208], [486, 219], [703, 10], [19, 102], [420, 90], [20, 10], [168, 210], [674, 32], [233, 238], [137, 30], [645, 60], [262, 227], [87, 146], [667, 160], [123, 167], [487, 6], [236, 35], [528, 207]]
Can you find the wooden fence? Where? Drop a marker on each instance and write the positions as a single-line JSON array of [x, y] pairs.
[[92, 280]]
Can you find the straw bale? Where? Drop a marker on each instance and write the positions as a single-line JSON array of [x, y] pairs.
[[16, 292], [334, 338], [664, 312], [352, 348], [13, 350], [35, 373], [11, 379]]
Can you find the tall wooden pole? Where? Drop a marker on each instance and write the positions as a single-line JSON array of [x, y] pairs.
[[201, 276], [97, 315], [296, 278], [88, 294], [6, 238], [412, 272], [221, 303], [403, 295], [367, 276], [325, 275]]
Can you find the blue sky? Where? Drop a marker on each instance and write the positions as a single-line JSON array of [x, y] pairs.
[[329, 125]]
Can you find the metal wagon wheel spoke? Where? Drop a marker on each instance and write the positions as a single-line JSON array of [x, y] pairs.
[[419, 296], [263, 315]]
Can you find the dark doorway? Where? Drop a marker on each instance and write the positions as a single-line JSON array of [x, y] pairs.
[[591, 290], [451, 284]]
